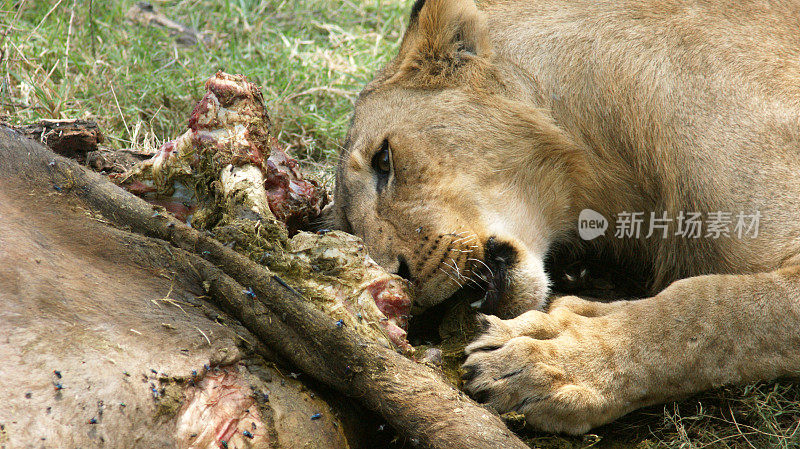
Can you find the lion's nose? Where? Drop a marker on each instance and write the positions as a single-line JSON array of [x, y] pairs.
[[402, 268]]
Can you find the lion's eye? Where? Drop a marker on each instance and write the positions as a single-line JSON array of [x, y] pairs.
[[382, 161]]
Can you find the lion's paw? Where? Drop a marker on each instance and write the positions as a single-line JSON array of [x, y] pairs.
[[555, 368]]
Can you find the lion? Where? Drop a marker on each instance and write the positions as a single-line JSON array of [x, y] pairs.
[[474, 152]]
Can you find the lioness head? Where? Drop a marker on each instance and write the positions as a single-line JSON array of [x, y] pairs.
[[447, 175]]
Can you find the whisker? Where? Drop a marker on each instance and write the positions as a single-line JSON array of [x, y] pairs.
[[476, 283], [451, 277], [455, 268], [471, 278], [484, 264], [464, 239]]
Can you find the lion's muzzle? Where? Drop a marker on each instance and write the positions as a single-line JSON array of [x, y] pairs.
[[499, 258]]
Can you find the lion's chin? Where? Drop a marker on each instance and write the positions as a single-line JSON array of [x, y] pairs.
[[432, 293], [509, 285]]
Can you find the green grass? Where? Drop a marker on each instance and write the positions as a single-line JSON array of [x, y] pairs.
[[759, 416], [310, 57]]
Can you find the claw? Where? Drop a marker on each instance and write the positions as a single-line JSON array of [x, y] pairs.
[[470, 372], [486, 348], [519, 407], [481, 396], [509, 374]]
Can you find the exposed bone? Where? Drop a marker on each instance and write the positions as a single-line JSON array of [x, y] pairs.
[[243, 181], [243, 190]]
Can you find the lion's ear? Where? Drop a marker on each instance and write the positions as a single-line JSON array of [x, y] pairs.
[[443, 37]]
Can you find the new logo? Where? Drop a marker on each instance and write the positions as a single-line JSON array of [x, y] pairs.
[[591, 224]]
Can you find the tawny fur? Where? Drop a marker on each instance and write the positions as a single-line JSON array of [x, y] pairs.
[[508, 120]]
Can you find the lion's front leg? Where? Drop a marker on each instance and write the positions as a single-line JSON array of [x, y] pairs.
[[584, 364]]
